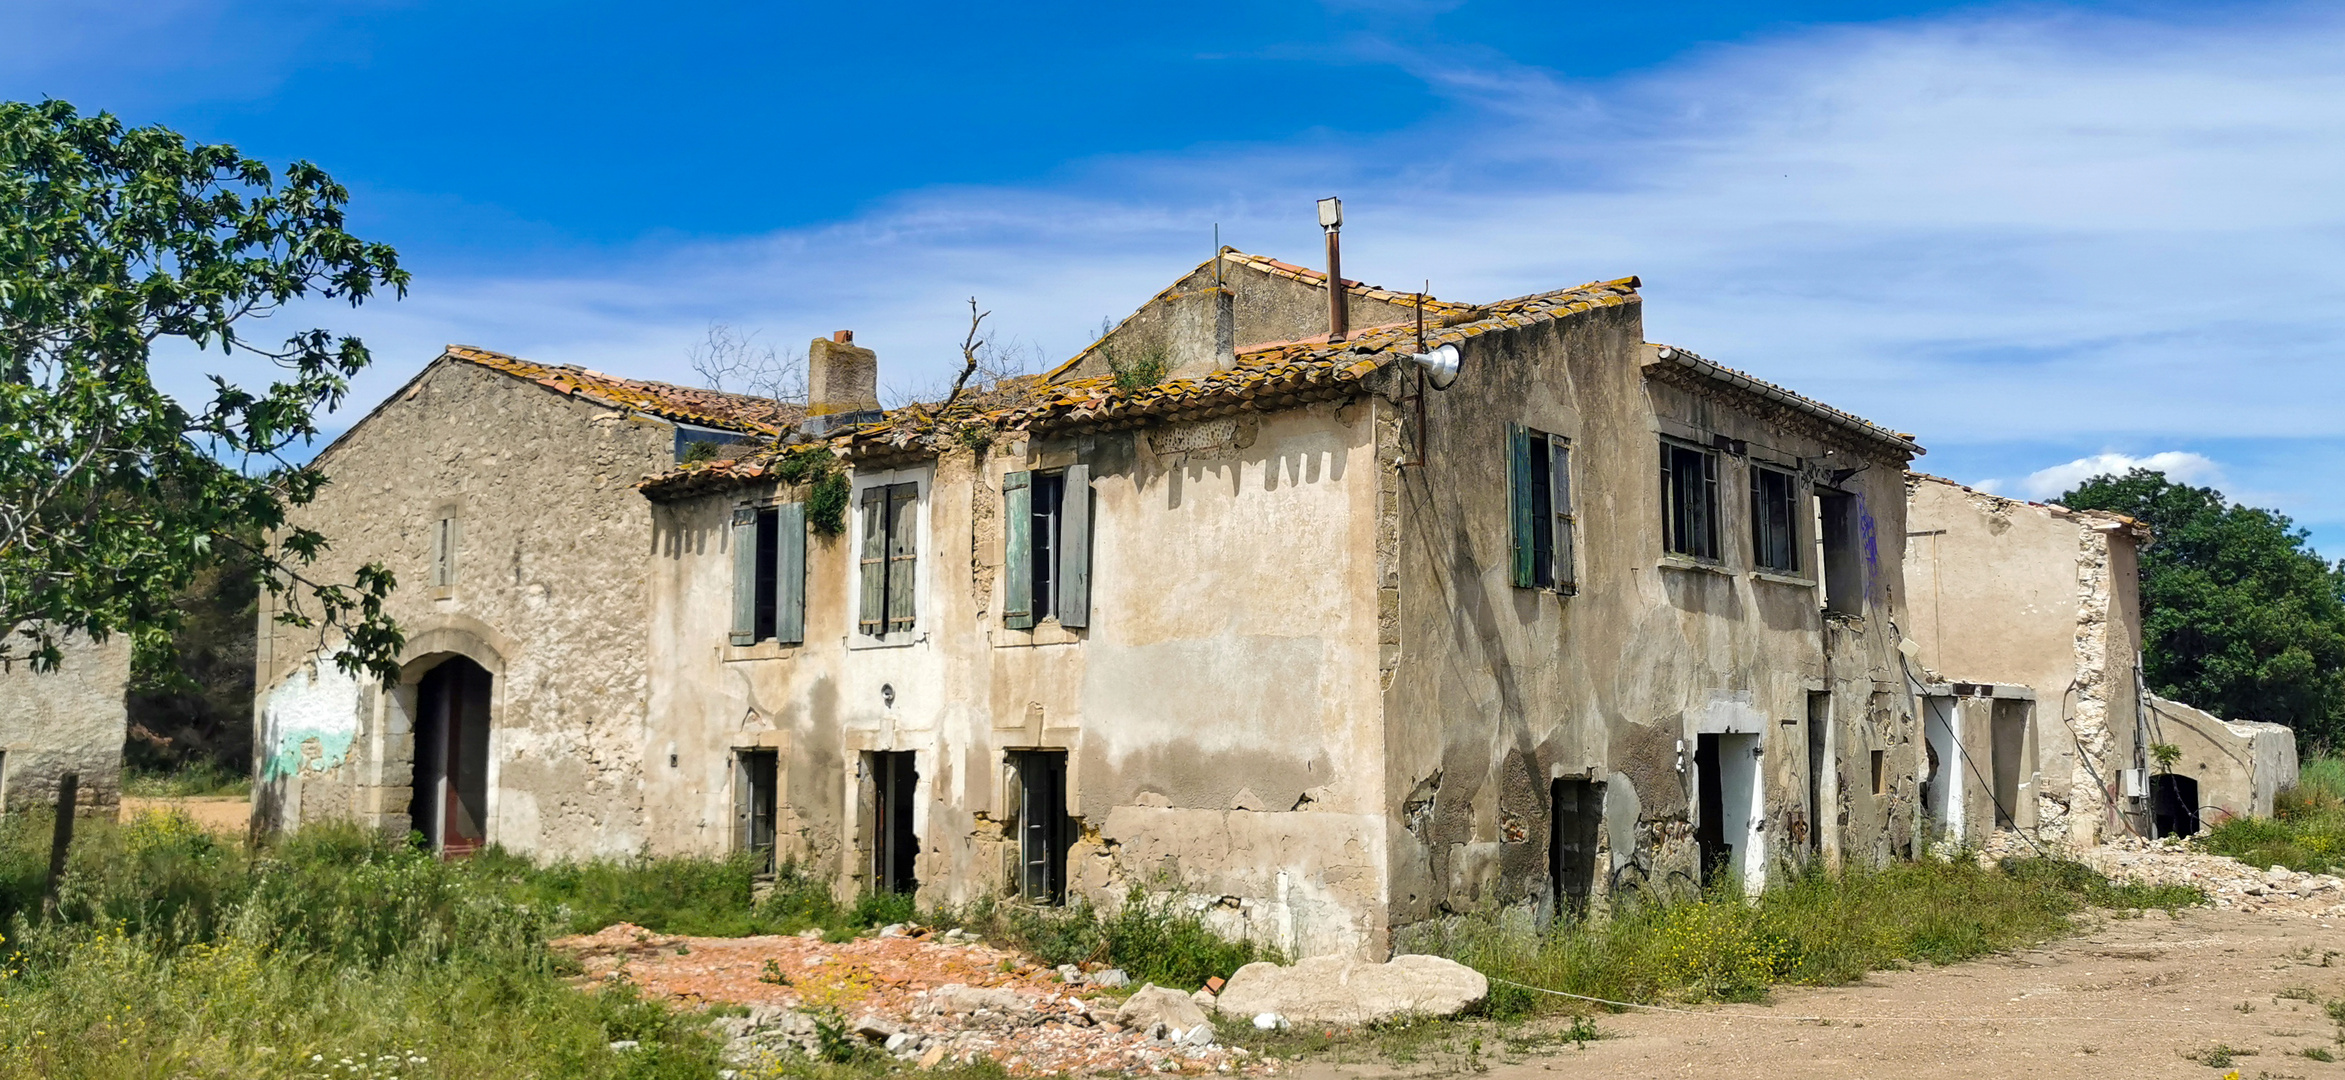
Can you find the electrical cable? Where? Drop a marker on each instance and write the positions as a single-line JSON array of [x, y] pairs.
[[2010, 814]]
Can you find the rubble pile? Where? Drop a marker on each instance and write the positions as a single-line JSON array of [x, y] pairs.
[[2227, 881], [920, 997]]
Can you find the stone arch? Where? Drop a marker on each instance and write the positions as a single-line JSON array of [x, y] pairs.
[[432, 643]]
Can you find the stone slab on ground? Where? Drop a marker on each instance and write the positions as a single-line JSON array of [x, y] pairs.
[[1350, 992]]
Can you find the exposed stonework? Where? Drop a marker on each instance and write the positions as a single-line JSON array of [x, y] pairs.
[[71, 719]]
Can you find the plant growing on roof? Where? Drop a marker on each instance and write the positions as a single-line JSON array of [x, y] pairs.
[[826, 498], [2165, 754], [114, 494]]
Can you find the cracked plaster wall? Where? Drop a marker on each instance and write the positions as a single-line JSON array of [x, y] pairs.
[[71, 719], [549, 595]]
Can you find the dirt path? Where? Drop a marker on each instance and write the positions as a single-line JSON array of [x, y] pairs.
[[228, 815], [2127, 998]]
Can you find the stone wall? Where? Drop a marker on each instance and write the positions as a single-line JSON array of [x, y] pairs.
[[71, 719]]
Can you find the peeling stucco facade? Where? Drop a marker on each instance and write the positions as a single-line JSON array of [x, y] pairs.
[[70, 719]]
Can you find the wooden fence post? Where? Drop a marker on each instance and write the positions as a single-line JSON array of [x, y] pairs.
[[68, 790]]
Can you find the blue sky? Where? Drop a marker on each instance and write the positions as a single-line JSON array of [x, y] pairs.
[[2035, 235]]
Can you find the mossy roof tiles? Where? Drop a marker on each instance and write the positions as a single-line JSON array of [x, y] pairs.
[[686, 404]]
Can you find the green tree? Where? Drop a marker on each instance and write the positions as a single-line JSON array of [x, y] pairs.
[[2239, 617], [117, 242]]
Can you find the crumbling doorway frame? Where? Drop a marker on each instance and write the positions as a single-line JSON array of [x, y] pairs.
[[892, 781], [1730, 793]]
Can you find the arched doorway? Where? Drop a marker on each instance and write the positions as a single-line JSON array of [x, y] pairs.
[[450, 806]]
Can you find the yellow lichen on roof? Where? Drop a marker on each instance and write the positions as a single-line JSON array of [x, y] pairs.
[[688, 404]]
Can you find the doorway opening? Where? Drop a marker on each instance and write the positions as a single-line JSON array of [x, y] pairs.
[[1726, 766], [1819, 758], [755, 800], [1042, 825], [1942, 767], [2009, 750], [451, 783], [894, 846], [1578, 811], [2173, 805]]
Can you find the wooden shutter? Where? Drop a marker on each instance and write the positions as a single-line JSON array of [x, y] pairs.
[[1018, 551], [790, 573], [902, 553], [872, 615], [1560, 496], [1074, 548], [1518, 493], [741, 802], [744, 575]]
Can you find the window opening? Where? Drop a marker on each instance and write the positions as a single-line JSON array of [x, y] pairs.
[[768, 544], [1540, 473], [1049, 494], [1689, 500], [2009, 737], [1774, 517], [890, 558], [1819, 726], [1043, 827], [1880, 772], [1577, 812], [894, 846], [1836, 540], [449, 804], [756, 800]]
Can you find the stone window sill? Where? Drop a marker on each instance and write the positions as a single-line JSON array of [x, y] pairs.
[[905, 640], [1680, 562], [1783, 579], [763, 650], [1046, 632]]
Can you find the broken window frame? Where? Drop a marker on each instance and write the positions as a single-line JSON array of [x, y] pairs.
[[1775, 517], [757, 806], [1689, 506], [1041, 828], [1541, 512]]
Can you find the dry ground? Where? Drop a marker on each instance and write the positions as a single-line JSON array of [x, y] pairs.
[[2126, 998], [229, 815]]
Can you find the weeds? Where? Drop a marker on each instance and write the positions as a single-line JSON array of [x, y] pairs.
[[1151, 938], [2218, 1056], [2317, 1053], [200, 778], [2306, 832]]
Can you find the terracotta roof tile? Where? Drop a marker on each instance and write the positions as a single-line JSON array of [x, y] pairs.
[[1713, 371], [688, 404]]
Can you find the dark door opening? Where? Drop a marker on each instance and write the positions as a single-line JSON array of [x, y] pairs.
[[894, 846], [451, 780], [2009, 739], [1578, 811], [1710, 833], [1043, 832], [756, 772], [2173, 805], [1819, 724]]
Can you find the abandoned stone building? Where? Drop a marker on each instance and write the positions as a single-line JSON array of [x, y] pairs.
[[70, 719], [2027, 622], [501, 494], [1346, 610]]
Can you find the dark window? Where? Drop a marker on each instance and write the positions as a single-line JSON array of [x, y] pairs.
[[1541, 498], [1043, 828], [1047, 547], [1774, 520], [890, 558], [755, 782], [769, 574], [1837, 540], [1044, 519], [768, 541], [895, 848], [1577, 814], [1689, 501]]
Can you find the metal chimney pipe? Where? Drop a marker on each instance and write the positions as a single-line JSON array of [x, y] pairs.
[[1331, 219]]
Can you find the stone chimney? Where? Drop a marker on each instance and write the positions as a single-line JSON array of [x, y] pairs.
[[1200, 332], [842, 384]]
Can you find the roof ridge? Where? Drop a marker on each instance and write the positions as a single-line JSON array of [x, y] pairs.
[[720, 409]]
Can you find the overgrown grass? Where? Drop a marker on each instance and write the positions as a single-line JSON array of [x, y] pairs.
[[198, 778], [1153, 939], [2306, 832], [1814, 929]]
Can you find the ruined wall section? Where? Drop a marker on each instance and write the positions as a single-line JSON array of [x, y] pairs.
[[71, 719], [549, 595], [1217, 713], [1502, 691]]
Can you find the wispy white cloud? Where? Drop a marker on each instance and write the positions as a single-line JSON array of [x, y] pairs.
[[2180, 466]]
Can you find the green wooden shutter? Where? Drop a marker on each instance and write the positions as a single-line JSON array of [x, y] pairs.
[[790, 573], [1018, 551], [744, 575], [1518, 489], [871, 617], [741, 807], [1559, 490], [1074, 548], [903, 553]]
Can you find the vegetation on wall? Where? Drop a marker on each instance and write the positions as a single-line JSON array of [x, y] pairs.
[[826, 496], [2239, 616]]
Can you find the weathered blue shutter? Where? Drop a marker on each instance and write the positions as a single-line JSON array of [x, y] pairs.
[[744, 575], [1518, 492], [1074, 548], [903, 554], [1559, 490], [871, 616], [790, 573], [1018, 550]]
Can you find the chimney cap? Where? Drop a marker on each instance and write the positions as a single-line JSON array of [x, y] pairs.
[[1331, 213], [843, 337]]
